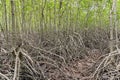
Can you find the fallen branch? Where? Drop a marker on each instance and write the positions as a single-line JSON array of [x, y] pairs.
[[2, 75]]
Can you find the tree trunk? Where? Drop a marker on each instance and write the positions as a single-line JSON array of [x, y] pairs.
[[13, 17], [112, 26], [5, 14], [112, 17]]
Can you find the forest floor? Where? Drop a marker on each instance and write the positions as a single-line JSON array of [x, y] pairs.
[[80, 55]]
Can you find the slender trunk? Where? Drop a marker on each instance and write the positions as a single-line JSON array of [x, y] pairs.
[[13, 20], [5, 11], [42, 17], [115, 22], [55, 15], [112, 26], [112, 17], [23, 15], [60, 6]]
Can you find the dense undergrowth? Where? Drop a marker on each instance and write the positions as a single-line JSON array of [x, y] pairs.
[[82, 55]]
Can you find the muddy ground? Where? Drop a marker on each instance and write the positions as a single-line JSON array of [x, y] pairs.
[[80, 55]]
